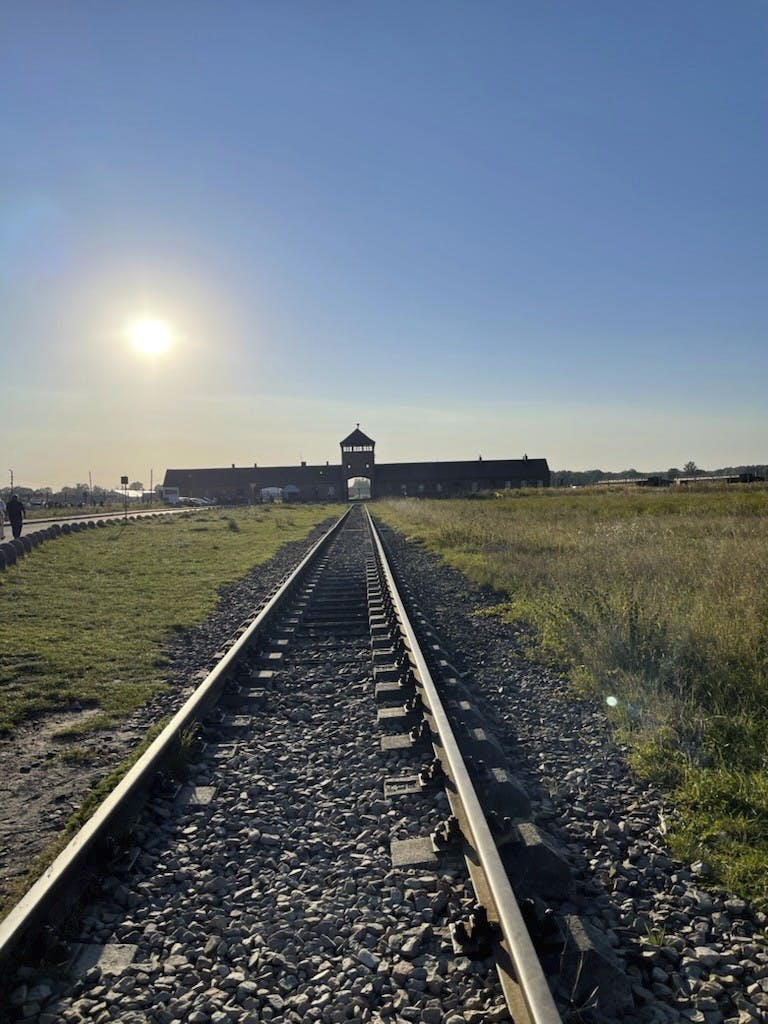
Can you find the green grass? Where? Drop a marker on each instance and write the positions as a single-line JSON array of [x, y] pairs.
[[659, 601], [84, 617], [77, 755]]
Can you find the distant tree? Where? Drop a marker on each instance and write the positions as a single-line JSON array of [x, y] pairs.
[[70, 495], [136, 486], [577, 478], [582, 478]]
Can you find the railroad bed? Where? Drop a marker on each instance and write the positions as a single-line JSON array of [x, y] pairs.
[[265, 889], [314, 865]]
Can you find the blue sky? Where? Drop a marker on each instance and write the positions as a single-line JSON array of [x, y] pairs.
[[474, 228]]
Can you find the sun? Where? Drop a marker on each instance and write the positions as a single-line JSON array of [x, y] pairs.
[[150, 336]]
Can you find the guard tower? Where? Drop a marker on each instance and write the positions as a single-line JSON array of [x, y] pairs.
[[357, 464]]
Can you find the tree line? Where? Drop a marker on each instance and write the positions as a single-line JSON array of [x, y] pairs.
[[583, 478], [71, 495]]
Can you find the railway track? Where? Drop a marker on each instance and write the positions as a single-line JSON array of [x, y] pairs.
[[341, 850]]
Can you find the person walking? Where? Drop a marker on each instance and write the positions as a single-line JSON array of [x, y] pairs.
[[15, 511]]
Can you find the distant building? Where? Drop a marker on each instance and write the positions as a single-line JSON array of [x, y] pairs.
[[738, 478], [357, 476], [636, 481]]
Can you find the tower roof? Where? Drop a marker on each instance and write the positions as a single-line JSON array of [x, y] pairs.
[[357, 439]]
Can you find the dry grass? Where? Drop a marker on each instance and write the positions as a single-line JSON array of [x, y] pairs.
[[659, 600]]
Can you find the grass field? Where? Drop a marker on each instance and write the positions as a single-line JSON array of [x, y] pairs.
[[84, 617], [658, 601]]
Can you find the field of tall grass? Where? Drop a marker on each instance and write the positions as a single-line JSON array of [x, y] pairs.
[[657, 601]]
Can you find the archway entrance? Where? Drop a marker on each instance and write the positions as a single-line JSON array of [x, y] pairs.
[[359, 488]]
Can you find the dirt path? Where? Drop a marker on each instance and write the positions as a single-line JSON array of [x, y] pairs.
[[40, 789]]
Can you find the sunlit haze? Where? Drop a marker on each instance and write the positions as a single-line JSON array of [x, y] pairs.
[[150, 336], [496, 229]]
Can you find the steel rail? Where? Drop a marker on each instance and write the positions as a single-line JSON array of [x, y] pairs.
[[40, 902], [527, 969]]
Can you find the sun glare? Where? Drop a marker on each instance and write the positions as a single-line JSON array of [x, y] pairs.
[[150, 336]]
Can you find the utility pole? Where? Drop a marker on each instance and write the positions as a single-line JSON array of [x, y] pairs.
[[11, 472]]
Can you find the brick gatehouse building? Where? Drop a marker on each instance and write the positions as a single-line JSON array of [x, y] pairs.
[[358, 476]]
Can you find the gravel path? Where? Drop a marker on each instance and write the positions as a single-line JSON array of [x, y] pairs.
[[691, 955]]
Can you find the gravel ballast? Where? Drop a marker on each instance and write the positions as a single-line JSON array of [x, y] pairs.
[[277, 900]]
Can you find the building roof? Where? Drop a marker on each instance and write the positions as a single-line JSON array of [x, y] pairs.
[[243, 477], [357, 439]]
